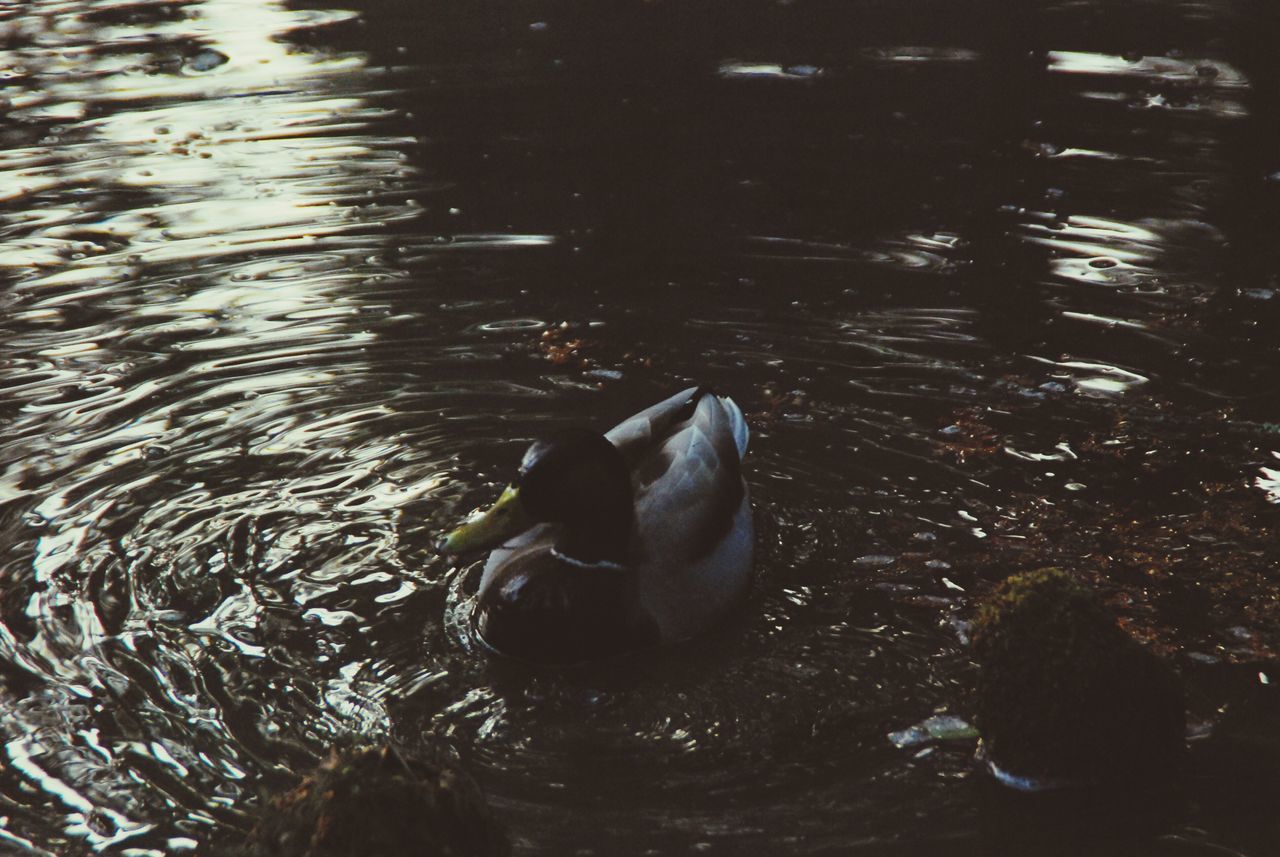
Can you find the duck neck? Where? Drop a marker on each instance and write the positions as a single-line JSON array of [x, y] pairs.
[[601, 538]]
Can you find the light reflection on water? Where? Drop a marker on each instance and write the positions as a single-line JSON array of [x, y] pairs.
[[186, 246], [278, 310]]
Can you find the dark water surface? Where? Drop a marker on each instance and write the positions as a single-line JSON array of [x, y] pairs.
[[283, 296]]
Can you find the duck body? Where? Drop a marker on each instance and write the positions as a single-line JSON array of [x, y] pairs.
[[611, 543]]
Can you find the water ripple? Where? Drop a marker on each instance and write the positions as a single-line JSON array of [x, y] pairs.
[[287, 291]]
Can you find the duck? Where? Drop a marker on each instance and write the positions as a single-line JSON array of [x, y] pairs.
[[608, 543]]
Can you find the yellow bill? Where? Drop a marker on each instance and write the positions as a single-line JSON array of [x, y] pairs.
[[490, 528]]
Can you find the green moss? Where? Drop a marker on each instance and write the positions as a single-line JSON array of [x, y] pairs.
[[1065, 693], [379, 803]]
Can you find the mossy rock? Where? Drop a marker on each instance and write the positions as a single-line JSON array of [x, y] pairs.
[[1065, 695], [376, 802]]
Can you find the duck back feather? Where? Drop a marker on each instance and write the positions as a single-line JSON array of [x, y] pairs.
[[693, 530]]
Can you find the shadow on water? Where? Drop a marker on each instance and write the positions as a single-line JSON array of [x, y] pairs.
[[289, 288]]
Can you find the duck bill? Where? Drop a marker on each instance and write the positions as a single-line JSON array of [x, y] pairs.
[[489, 528]]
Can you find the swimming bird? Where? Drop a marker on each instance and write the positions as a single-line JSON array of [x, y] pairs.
[[608, 543]]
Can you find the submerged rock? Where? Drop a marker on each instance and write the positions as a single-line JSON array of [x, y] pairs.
[[377, 802], [1065, 697], [1238, 764]]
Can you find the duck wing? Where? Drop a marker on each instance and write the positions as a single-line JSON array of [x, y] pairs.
[[638, 434], [687, 478]]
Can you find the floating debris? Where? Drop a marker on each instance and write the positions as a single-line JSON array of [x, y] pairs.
[[207, 60], [940, 727]]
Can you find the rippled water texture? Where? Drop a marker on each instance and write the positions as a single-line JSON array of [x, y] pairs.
[[287, 289]]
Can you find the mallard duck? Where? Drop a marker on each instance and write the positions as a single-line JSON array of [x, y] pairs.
[[607, 543]]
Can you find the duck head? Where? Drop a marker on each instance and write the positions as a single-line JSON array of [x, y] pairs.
[[577, 479]]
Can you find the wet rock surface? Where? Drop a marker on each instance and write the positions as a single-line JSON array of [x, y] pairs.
[[379, 801]]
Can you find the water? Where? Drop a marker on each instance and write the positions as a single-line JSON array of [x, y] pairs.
[[288, 288]]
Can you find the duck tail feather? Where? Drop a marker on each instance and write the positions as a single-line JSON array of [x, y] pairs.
[[741, 434]]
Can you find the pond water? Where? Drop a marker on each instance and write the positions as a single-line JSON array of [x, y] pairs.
[[287, 288]]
